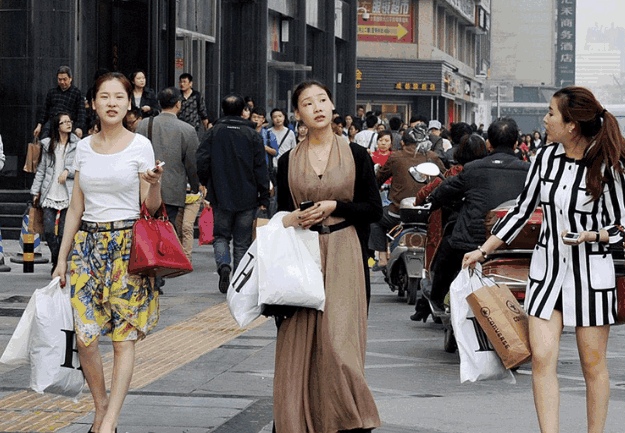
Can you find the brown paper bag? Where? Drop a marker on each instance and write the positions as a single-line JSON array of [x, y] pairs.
[[33, 155], [35, 220], [504, 321]]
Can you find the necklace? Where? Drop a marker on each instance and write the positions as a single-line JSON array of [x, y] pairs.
[[323, 154]]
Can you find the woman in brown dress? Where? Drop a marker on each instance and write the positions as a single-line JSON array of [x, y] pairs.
[[319, 384]]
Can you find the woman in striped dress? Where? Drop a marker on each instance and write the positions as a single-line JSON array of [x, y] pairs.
[[578, 180]]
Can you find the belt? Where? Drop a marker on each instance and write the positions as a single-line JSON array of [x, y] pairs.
[[91, 227], [323, 229]]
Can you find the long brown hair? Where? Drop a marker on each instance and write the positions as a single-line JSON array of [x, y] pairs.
[[579, 105]]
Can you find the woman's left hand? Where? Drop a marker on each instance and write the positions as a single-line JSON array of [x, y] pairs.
[[63, 177], [320, 211], [153, 177], [583, 237]]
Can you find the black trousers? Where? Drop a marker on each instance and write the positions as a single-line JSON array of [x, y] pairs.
[[446, 267]]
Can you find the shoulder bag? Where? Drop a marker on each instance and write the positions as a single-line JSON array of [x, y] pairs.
[[156, 250]]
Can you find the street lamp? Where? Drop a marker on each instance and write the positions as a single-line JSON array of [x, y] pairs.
[[365, 14]]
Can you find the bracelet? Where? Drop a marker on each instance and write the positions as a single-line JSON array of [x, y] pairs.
[[483, 252], [597, 239]]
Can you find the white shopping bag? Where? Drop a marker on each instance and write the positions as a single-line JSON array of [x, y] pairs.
[[243, 290], [478, 359], [53, 357], [289, 266], [16, 352]]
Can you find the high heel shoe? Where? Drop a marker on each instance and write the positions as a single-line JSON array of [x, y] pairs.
[[91, 429]]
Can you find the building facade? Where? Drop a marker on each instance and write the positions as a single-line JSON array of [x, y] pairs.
[[533, 55], [258, 48], [427, 57]]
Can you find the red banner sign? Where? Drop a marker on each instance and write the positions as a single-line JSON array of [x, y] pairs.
[[389, 21]]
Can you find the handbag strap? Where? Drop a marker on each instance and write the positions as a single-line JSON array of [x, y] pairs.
[[150, 123], [146, 214]]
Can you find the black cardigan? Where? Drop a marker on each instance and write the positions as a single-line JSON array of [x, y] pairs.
[[366, 208]]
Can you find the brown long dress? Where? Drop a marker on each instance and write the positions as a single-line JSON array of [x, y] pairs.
[[319, 384]]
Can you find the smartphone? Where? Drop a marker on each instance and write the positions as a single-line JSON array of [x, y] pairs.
[[306, 204], [159, 165], [571, 237]]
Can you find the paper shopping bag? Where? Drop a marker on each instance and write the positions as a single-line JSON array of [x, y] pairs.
[[35, 220], [504, 321], [478, 359], [33, 155]]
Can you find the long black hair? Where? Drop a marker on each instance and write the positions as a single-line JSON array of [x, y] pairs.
[[55, 133]]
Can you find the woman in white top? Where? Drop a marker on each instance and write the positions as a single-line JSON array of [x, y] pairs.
[[113, 177], [286, 138], [54, 180], [578, 181]]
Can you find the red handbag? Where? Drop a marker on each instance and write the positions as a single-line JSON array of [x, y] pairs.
[[156, 250], [620, 300], [206, 227]]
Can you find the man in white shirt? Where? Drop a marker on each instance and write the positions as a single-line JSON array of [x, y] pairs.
[[368, 138]]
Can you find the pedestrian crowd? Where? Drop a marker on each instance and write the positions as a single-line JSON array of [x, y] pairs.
[[101, 154]]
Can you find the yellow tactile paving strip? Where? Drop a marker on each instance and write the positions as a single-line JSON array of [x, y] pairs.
[[159, 354]]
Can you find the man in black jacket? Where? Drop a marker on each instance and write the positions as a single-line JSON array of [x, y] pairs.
[[483, 185], [231, 164]]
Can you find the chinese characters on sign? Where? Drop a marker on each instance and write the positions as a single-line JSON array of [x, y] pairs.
[[565, 50], [430, 87], [389, 21]]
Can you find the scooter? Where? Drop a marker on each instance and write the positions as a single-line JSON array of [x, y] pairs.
[[407, 241]]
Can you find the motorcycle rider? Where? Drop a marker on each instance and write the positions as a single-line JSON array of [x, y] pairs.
[[483, 184], [415, 150]]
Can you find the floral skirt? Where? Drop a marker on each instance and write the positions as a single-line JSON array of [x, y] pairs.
[[106, 299]]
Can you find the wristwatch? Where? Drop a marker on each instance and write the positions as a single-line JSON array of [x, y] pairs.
[[483, 252]]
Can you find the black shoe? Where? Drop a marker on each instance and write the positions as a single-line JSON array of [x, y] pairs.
[[224, 278], [420, 315]]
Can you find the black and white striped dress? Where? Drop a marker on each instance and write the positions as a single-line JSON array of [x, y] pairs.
[[583, 275]]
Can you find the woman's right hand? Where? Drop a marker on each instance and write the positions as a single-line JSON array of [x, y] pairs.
[[471, 258], [36, 200], [60, 270], [304, 219]]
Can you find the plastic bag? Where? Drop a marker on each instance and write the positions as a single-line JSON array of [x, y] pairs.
[[242, 294], [205, 224], [53, 358], [16, 352], [478, 359], [289, 266]]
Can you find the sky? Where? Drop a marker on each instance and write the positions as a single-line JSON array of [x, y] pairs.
[[603, 12]]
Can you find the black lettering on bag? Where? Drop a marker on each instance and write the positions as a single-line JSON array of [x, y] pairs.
[[238, 283], [482, 339], [69, 349]]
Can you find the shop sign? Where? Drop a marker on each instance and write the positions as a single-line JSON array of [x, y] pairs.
[[565, 50], [389, 21], [358, 78], [483, 19], [427, 87]]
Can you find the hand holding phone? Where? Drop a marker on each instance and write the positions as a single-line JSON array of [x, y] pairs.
[[571, 238], [159, 165], [306, 205]]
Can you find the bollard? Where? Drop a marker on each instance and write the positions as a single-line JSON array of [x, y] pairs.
[[37, 245], [3, 267], [29, 253]]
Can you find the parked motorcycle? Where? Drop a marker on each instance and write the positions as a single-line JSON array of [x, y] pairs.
[[508, 265], [407, 241]]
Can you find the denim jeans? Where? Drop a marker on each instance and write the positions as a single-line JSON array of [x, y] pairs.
[[54, 241], [235, 226]]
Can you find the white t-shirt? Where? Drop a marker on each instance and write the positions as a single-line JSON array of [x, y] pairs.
[[289, 142], [110, 183], [367, 139]]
